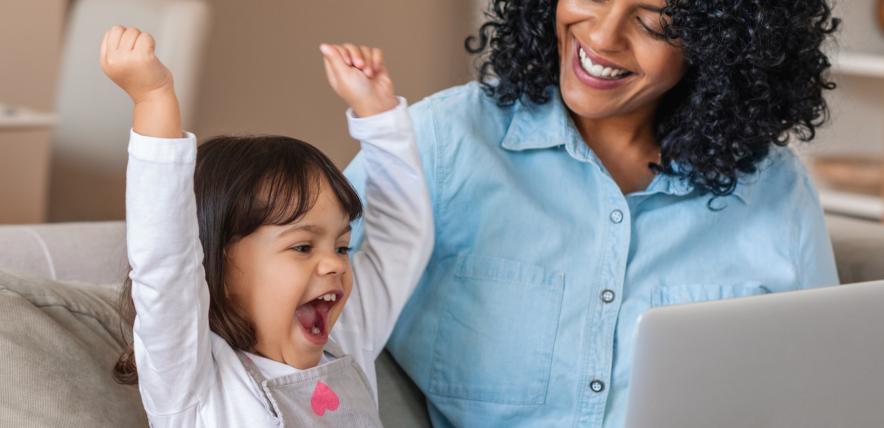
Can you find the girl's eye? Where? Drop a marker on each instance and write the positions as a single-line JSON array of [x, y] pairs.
[[344, 250], [302, 248]]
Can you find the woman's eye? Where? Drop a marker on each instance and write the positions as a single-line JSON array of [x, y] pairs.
[[302, 248], [647, 29], [344, 250]]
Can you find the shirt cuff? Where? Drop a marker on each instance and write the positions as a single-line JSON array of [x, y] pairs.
[[390, 122], [165, 150]]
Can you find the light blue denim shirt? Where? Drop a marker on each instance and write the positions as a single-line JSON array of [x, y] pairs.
[[526, 313]]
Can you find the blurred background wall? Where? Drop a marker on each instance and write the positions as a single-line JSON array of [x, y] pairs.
[[30, 36], [264, 73], [260, 72], [254, 67]]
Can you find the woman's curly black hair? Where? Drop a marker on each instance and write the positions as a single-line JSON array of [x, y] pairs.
[[756, 74]]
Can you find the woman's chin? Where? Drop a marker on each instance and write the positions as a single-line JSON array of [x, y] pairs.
[[588, 104]]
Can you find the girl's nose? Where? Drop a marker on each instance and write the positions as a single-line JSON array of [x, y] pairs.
[[332, 263]]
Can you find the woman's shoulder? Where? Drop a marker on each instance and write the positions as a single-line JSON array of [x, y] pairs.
[[470, 117], [472, 92], [461, 108], [781, 178]]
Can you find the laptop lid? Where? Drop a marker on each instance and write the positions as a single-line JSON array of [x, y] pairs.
[[810, 358]]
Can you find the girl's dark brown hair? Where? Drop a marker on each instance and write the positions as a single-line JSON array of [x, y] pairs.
[[242, 183]]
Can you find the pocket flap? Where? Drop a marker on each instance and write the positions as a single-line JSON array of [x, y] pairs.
[[505, 270], [690, 293]]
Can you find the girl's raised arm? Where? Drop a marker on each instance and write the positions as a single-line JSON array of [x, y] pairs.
[[171, 333], [398, 221]]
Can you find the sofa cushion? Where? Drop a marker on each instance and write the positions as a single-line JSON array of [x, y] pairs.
[[59, 342], [400, 401]]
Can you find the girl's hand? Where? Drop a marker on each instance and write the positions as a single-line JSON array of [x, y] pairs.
[[357, 74], [128, 58]]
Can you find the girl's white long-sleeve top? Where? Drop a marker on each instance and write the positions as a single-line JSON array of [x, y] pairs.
[[189, 376]]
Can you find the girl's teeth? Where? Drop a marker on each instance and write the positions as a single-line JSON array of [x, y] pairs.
[[331, 297], [315, 330], [596, 69]]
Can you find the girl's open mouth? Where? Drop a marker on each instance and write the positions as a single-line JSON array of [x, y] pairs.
[[313, 316]]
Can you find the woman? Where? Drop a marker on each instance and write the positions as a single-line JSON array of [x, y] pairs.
[[616, 155]]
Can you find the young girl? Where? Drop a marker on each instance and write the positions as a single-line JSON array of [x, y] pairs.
[[239, 254]]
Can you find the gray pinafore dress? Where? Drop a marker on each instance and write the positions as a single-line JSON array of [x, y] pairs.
[[335, 394]]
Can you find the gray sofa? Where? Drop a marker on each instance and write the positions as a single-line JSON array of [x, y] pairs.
[[60, 334]]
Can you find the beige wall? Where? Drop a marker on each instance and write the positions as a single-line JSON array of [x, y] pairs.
[[24, 177], [264, 74], [30, 42]]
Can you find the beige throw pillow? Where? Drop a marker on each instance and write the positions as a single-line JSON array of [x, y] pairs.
[[58, 343]]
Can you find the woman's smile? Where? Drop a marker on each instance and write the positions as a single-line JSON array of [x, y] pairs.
[[597, 72], [611, 65]]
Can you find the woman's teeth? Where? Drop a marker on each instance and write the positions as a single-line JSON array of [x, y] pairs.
[[597, 70], [315, 330], [330, 297]]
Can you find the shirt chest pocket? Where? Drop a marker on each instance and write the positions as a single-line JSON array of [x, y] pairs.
[[691, 293], [497, 331]]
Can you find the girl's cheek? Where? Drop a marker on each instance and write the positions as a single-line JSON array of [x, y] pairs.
[[347, 282]]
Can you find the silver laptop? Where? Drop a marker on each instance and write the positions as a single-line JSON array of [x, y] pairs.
[[804, 359]]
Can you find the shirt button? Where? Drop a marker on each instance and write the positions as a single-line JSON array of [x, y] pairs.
[[597, 386], [608, 296], [616, 216]]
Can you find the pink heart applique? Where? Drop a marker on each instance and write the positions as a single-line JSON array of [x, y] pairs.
[[324, 399]]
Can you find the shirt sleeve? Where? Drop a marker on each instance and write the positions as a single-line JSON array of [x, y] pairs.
[[171, 333], [815, 257], [395, 234]]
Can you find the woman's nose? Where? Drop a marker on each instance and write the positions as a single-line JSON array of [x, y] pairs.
[[606, 32]]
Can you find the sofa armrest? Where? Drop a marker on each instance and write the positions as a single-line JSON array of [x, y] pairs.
[[859, 248], [88, 252]]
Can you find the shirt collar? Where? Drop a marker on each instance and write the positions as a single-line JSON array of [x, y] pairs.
[[540, 126], [677, 186], [544, 126]]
